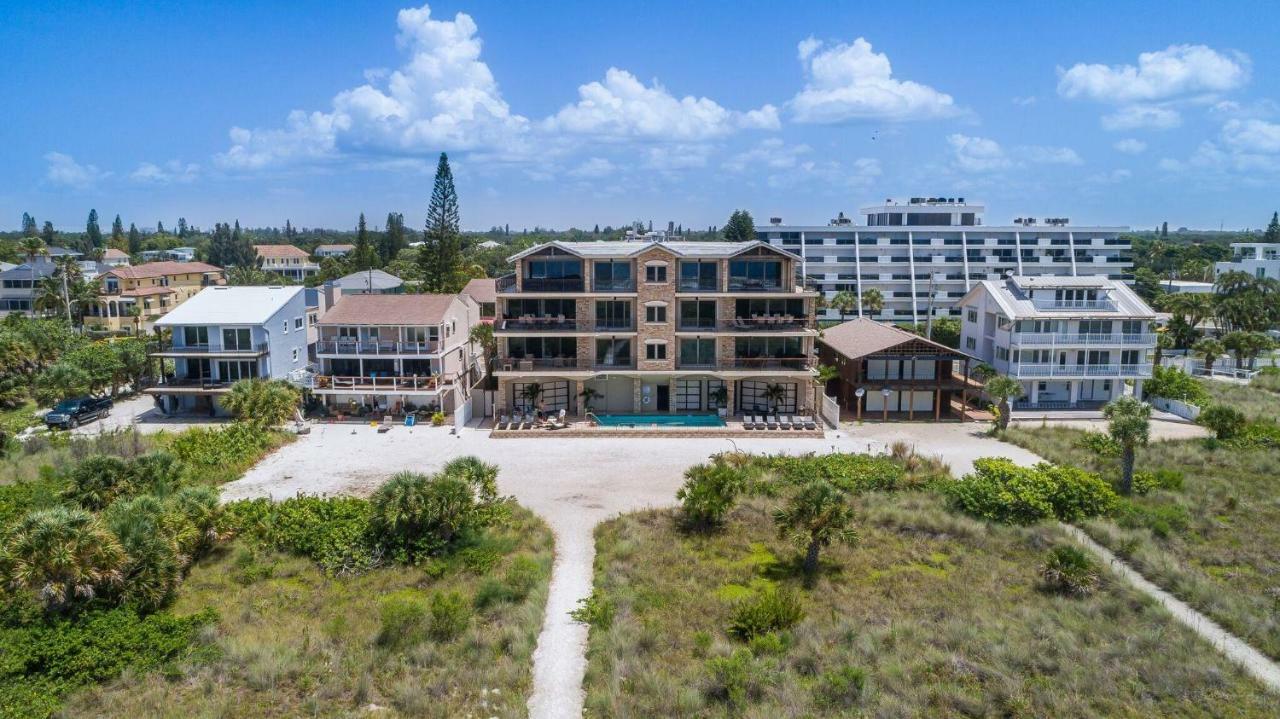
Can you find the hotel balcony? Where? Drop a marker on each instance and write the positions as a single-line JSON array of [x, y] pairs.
[[777, 323], [1057, 304], [354, 347], [529, 323], [253, 350], [762, 364], [530, 364], [1038, 370], [415, 384], [1111, 338]]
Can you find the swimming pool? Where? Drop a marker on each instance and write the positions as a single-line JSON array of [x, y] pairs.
[[661, 420]]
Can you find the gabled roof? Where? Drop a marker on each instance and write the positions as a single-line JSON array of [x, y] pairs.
[[162, 269], [861, 337], [279, 251], [368, 280], [1012, 296], [112, 253], [231, 306], [389, 310], [335, 248], [622, 248], [482, 290]]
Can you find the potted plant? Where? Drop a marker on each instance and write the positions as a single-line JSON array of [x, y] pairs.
[[720, 397], [776, 394], [588, 395], [530, 394]]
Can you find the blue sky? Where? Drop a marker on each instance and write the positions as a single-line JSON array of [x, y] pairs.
[[585, 113]]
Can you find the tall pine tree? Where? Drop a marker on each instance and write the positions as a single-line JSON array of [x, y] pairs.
[[29, 226], [364, 257], [159, 227], [220, 252], [92, 233], [135, 239], [440, 257], [1273, 229], [392, 240], [182, 227], [740, 228], [47, 234], [243, 254], [117, 234]]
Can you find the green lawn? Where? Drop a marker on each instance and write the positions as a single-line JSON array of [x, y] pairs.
[[929, 614], [1215, 543], [1256, 402], [291, 641]]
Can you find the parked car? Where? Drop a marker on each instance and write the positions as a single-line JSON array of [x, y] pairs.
[[71, 413]]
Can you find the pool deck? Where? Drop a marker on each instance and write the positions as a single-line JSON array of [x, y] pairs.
[[581, 427]]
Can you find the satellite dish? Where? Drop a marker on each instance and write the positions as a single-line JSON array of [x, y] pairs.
[[859, 392]]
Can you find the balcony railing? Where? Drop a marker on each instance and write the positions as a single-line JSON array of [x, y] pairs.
[[381, 383], [601, 285], [1110, 338], [767, 363], [741, 284], [698, 285], [551, 284], [564, 324], [506, 283], [527, 364], [193, 383], [1057, 304], [784, 323], [258, 348], [356, 347], [1048, 369]]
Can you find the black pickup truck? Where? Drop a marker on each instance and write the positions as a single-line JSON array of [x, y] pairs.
[[71, 413]]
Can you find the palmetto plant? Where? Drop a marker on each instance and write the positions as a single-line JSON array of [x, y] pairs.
[[844, 302], [530, 394], [1210, 349], [153, 566], [817, 515], [872, 302], [775, 394], [1003, 389], [1129, 424], [588, 395], [61, 555], [481, 475], [263, 403]]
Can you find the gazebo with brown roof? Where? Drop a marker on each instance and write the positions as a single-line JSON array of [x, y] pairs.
[[900, 373]]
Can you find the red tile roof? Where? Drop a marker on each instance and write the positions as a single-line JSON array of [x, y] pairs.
[[482, 290], [279, 251], [162, 269], [389, 310]]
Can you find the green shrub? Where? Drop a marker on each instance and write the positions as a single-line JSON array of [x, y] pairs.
[[416, 515], [437, 419], [1147, 482], [514, 586], [158, 473], [450, 615], [44, 657], [1099, 443], [1173, 383], [1001, 491], [220, 453], [247, 567], [771, 610], [736, 680], [60, 557], [403, 617], [1163, 520], [152, 568], [840, 689], [334, 532], [1258, 434], [1225, 422], [1068, 570], [851, 473], [98, 481], [708, 493], [596, 611]]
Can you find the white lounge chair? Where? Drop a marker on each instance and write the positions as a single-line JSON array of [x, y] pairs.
[[748, 422], [501, 422], [784, 422], [757, 421], [809, 423], [772, 421]]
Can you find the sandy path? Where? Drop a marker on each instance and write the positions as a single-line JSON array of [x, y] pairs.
[[573, 484]]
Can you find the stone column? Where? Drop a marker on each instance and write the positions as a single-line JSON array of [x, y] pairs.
[[1074, 391], [730, 386], [671, 395], [578, 387], [500, 398], [636, 406]]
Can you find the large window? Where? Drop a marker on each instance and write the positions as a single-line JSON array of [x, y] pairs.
[[195, 336], [699, 276], [768, 347], [552, 396], [688, 395], [768, 307], [697, 314], [542, 347], [552, 275], [755, 396], [237, 339], [612, 275], [755, 274], [233, 371], [518, 308], [613, 352], [697, 353], [613, 315]]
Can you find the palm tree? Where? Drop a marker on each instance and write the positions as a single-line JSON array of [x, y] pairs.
[[479, 474], [1210, 349], [61, 555], [815, 516], [1164, 341], [262, 403], [775, 394], [588, 395], [1129, 424], [872, 302], [844, 302], [1003, 389], [530, 393], [153, 568]]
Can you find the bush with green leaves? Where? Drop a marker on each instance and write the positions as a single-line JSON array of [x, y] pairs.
[[1068, 570], [1225, 422], [416, 515], [61, 557], [450, 615], [1173, 383], [1163, 521], [1258, 434], [403, 617], [1163, 478], [708, 493], [514, 586], [772, 609], [213, 450], [1099, 443], [43, 657], [334, 532], [596, 611], [1001, 491], [737, 680], [98, 481], [841, 689], [153, 567], [851, 473], [262, 402]]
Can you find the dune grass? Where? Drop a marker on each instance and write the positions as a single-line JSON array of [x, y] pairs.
[[291, 641], [929, 614], [1215, 543], [1258, 400]]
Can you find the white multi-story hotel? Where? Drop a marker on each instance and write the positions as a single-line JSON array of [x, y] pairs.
[[928, 252], [1070, 341], [1260, 259]]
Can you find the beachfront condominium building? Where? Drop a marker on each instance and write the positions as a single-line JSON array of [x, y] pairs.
[[1260, 259], [22, 285], [225, 334], [390, 354], [926, 253], [655, 327], [286, 260], [134, 297], [1072, 342]]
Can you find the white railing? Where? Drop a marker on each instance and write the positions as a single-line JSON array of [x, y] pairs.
[[354, 347], [1057, 304], [380, 383], [1110, 338], [1048, 369]]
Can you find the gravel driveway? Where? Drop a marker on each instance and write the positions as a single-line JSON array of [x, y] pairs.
[[141, 410], [573, 484]]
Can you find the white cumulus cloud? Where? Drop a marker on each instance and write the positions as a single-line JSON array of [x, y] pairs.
[[172, 171], [1252, 135], [982, 154], [621, 106], [443, 98], [1178, 70], [1135, 117], [848, 82], [1130, 146], [770, 154], [64, 170]]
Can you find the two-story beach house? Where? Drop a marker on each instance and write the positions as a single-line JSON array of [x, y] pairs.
[[286, 260], [153, 289], [225, 334], [395, 353], [1072, 342], [655, 327]]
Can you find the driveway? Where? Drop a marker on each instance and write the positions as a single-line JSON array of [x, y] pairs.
[[572, 483], [141, 412]]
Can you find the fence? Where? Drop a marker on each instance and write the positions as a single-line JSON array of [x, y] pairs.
[[830, 411], [1173, 406]]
